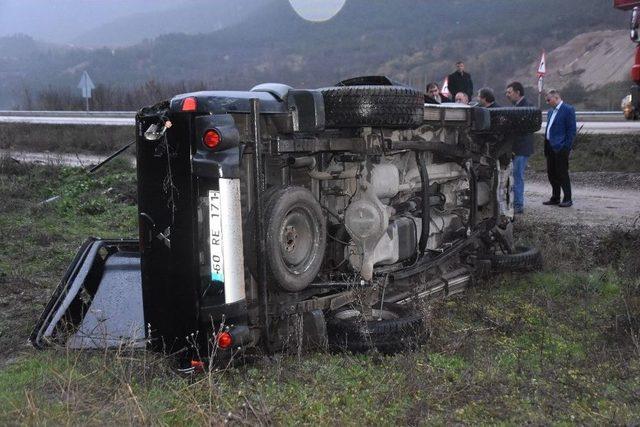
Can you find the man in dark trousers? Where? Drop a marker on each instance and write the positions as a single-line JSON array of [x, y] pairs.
[[460, 81], [559, 137], [522, 148]]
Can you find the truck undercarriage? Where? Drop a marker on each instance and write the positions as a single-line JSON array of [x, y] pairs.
[[320, 216]]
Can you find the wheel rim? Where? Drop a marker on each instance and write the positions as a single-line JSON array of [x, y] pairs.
[[298, 238]]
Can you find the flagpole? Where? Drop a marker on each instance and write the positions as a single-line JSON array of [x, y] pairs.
[[542, 71], [540, 90]]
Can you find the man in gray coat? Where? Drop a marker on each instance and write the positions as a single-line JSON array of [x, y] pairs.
[[522, 148]]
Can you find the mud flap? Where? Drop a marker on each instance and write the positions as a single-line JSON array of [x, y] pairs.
[[98, 303]]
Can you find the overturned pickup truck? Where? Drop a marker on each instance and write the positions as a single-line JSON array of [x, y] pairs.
[[281, 215]]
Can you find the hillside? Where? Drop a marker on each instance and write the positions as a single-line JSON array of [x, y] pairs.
[[591, 59], [413, 41]]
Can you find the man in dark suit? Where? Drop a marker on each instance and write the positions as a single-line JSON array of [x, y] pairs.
[[460, 81], [559, 137], [522, 148]]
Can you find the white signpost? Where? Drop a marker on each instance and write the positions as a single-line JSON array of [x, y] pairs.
[[86, 85]]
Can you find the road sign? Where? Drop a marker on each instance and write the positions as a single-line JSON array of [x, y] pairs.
[[86, 85]]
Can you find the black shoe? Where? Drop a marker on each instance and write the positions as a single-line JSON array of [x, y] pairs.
[[566, 204], [551, 202]]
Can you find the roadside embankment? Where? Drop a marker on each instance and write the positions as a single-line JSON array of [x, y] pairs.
[[64, 138]]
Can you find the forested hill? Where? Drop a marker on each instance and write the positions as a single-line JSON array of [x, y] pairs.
[[409, 40]]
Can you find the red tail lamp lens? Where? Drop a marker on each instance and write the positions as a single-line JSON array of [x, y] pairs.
[[224, 340], [197, 365], [189, 104], [211, 138]]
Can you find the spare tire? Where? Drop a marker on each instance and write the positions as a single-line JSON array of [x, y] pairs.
[[296, 232], [515, 120], [523, 259], [379, 106], [393, 328]]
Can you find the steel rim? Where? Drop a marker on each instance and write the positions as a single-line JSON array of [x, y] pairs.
[[298, 238]]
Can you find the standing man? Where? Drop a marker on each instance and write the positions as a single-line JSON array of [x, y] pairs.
[[522, 148], [460, 81], [559, 137]]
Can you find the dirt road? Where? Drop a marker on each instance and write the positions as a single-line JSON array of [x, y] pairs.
[[595, 203]]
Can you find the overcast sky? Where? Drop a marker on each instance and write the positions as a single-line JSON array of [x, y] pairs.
[[59, 21], [66, 21]]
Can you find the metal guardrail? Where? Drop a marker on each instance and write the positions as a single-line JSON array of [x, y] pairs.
[[603, 122], [98, 114], [131, 114], [599, 113]]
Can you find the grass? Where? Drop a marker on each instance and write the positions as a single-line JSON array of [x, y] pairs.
[[64, 138], [556, 346], [596, 152]]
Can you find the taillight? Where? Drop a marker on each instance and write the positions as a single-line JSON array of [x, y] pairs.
[[189, 104], [197, 365], [211, 138], [224, 340]]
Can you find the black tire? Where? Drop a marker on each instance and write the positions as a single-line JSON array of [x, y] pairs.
[[515, 120], [399, 329], [296, 232], [524, 259], [380, 106]]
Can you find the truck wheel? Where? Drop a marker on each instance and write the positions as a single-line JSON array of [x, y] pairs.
[[515, 120], [295, 238], [381, 106], [392, 329], [524, 259]]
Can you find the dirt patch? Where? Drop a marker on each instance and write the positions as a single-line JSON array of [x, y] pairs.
[[20, 301], [600, 200]]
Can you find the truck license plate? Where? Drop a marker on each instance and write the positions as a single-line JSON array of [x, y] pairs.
[[215, 237]]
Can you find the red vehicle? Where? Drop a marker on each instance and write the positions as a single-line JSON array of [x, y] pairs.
[[625, 4], [631, 103]]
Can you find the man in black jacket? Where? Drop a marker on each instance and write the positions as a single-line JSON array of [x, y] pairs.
[[522, 148], [460, 81]]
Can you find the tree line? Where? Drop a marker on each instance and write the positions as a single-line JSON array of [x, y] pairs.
[[106, 97]]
